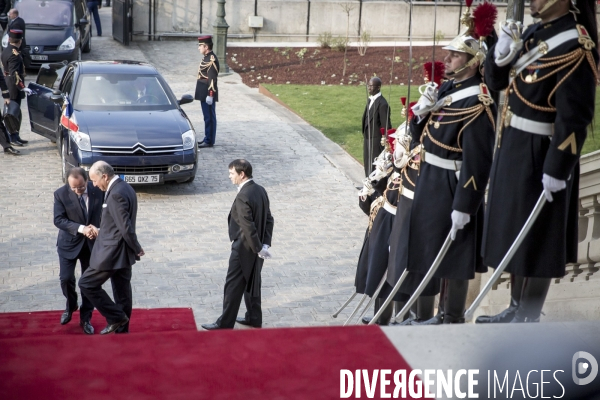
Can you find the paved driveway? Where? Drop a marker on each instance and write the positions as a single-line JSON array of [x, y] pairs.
[[183, 227]]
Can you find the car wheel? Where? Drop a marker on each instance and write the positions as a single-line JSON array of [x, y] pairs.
[[88, 45], [63, 151]]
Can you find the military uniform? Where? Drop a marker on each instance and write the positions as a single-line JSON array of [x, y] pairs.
[[206, 87], [549, 105], [14, 74]]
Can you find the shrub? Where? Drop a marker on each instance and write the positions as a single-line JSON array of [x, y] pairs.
[[324, 40]]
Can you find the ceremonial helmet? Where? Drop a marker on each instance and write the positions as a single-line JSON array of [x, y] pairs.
[[479, 25]]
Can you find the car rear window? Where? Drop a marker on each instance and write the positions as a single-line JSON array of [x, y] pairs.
[[54, 13], [121, 92]]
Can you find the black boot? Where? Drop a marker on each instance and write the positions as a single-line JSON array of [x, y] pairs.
[[423, 311], [516, 287], [20, 139], [438, 318], [533, 296], [456, 298]]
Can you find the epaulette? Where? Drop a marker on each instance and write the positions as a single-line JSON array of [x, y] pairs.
[[212, 58], [15, 52], [485, 96], [584, 38]]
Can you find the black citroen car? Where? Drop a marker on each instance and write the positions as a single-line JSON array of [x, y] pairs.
[[55, 30], [121, 112]]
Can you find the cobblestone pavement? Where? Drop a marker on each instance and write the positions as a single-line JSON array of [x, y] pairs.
[[183, 227]]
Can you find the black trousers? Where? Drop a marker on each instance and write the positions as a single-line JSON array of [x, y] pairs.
[[235, 286], [67, 282], [4, 138], [91, 286]]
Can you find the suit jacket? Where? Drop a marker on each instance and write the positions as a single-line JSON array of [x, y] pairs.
[[375, 118], [117, 246], [250, 226], [68, 216]]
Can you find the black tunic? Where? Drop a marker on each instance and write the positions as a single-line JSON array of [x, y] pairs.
[[439, 192], [523, 157], [373, 259], [208, 72], [12, 63]]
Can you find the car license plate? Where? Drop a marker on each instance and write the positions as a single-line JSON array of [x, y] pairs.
[[39, 57], [140, 179]]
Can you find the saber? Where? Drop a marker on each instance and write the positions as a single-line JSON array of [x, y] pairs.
[[372, 298], [390, 297], [427, 278], [364, 296], [509, 255], [344, 306]]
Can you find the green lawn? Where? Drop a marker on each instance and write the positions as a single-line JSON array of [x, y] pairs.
[[337, 111]]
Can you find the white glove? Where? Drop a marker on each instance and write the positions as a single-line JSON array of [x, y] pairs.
[[552, 185], [27, 91], [509, 42], [264, 253], [366, 190], [459, 220], [401, 156], [209, 100], [429, 96]]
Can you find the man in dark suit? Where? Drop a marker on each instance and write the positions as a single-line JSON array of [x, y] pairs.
[[115, 251], [16, 22], [375, 117], [250, 230], [77, 210]]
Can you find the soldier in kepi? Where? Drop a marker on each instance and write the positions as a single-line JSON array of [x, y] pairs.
[[549, 74], [14, 73], [457, 135], [206, 89]]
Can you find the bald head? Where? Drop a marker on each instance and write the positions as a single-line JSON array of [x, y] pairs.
[[374, 86], [101, 173]]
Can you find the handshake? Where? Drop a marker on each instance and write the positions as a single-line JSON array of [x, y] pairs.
[[90, 231]]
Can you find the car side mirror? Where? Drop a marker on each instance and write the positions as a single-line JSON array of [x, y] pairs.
[[56, 96], [185, 99], [83, 22]]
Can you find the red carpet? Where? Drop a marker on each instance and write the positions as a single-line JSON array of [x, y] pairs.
[[300, 363], [47, 323]]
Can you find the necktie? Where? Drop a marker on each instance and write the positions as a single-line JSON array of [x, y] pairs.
[[83, 207]]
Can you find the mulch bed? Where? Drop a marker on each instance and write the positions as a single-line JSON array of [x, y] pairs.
[[324, 66]]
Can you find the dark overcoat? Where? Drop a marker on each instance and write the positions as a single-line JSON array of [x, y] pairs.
[[522, 157], [439, 191]]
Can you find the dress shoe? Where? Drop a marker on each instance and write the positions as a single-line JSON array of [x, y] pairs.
[[243, 321], [113, 327], [503, 317], [210, 327], [366, 320], [22, 140], [16, 143], [203, 145], [10, 150], [88, 329], [66, 316], [201, 142]]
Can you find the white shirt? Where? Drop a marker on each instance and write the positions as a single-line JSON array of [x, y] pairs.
[[112, 181], [373, 98], [243, 183], [87, 207]]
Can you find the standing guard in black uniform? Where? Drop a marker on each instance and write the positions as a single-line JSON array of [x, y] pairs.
[[407, 156], [12, 64], [457, 135], [206, 89], [4, 135], [550, 76]]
